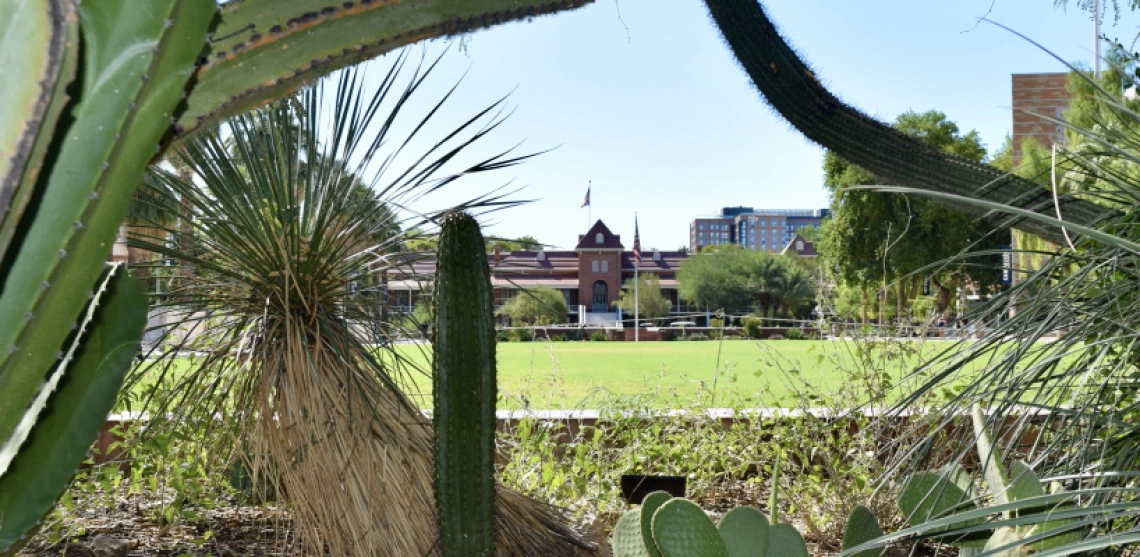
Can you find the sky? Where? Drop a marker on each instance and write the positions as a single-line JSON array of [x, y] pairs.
[[642, 99]]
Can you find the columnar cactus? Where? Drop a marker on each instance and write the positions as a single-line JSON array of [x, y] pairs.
[[464, 390], [78, 127], [793, 90]]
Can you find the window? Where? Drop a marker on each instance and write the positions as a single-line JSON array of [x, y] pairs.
[[605, 266], [600, 238], [701, 226], [799, 245], [594, 265]]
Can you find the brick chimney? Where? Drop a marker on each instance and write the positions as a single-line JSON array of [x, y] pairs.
[[498, 251]]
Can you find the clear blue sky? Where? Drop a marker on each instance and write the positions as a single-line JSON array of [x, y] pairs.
[[665, 123]]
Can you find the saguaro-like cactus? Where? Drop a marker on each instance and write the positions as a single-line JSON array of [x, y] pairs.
[[77, 128], [791, 87], [464, 390]]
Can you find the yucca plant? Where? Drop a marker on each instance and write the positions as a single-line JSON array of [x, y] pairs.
[[293, 228]]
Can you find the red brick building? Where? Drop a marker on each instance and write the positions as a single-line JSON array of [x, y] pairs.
[[589, 277], [1038, 94]]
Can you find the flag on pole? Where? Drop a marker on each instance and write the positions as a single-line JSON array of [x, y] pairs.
[[636, 242], [586, 202]]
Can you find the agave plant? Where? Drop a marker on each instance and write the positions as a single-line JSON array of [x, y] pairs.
[[294, 227]]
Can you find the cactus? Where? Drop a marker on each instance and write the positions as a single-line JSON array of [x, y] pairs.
[[649, 506], [945, 493], [629, 540], [793, 90], [264, 49], [862, 526], [679, 528], [74, 401], [77, 129], [745, 531], [463, 390], [682, 529]]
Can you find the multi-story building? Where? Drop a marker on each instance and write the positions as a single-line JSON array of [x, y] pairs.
[[761, 230], [589, 277]]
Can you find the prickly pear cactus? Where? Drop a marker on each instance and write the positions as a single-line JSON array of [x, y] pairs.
[[745, 532], [464, 390], [74, 401], [785, 541], [862, 527], [649, 506], [628, 541], [682, 529]]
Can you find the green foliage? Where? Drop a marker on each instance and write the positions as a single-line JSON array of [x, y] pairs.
[[536, 306], [651, 302], [598, 336], [728, 277], [874, 238], [862, 526], [794, 91], [793, 334], [522, 243], [745, 532], [464, 391]]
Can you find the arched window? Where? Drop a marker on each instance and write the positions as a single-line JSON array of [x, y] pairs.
[[594, 265], [605, 266], [600, 238]]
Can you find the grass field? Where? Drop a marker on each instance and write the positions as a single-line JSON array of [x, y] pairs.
[[594, 375], [759, 373]]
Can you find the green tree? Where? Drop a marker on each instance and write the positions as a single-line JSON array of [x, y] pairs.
[[651, 302], [792, 289], [716, 278], [873, 239], [523, 243], [536, 306]]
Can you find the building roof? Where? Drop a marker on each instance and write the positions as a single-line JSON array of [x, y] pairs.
[[799, 246], [668, 262], [589, 239]]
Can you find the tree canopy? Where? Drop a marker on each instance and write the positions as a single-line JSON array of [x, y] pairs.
[[536, 306], [730, 277], [651, 302], [873, 238]]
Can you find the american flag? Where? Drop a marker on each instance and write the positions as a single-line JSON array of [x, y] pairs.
[[636, 242], [587, 200]]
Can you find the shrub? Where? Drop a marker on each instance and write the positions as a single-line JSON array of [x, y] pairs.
[[716, 323], [794, 334], [752, 328], [698, 336], [598, 336]]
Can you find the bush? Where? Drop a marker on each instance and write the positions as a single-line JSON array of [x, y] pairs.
[[503, 335], [794, 334], [752, 328], [598, 336], [698, 336], [512, 335], [716, 323], [525, 335]]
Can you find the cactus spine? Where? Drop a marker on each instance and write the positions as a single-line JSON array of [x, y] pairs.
[[464, 390], [793, 90]]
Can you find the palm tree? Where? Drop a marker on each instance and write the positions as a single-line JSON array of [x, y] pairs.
[[792, 287], [283, 225]]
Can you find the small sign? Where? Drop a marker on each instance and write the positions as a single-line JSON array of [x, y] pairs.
[[1006, 265]]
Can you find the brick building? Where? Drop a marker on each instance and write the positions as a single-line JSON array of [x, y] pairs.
[[1038, 94], [589, 277], [761, 230]]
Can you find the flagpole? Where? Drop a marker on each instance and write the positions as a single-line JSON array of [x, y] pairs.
[[636, 300]]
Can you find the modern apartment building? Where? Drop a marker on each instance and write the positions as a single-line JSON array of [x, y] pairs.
[[757, 229]]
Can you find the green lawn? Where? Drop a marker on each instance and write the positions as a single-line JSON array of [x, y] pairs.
[[563, 375], [765, 373]]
